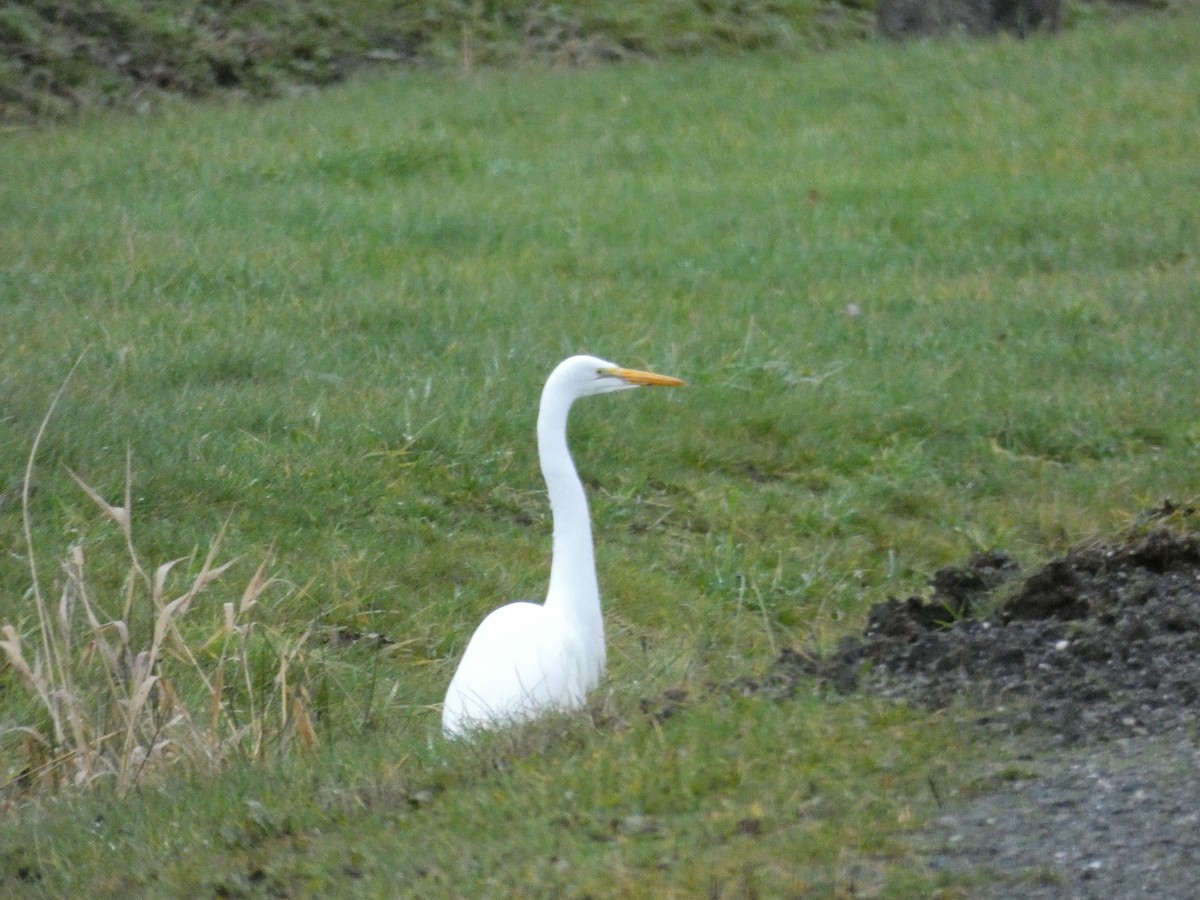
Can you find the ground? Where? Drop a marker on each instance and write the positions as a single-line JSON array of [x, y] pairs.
[[1089, 669]]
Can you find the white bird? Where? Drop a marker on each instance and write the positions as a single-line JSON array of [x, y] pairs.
[[526, 658]]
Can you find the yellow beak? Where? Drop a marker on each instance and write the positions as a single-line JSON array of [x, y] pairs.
[[633, 376]]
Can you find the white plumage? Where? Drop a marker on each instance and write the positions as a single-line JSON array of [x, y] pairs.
[[525, 658]]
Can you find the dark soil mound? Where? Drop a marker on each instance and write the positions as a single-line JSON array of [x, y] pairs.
[[1102, 643], [1100, 649]]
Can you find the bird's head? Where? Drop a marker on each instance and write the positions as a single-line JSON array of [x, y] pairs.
[[582, 376]]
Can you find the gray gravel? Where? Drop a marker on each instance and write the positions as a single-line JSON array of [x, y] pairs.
[[1119, 819]]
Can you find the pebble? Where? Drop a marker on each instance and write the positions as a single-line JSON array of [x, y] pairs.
[[1069, 831]]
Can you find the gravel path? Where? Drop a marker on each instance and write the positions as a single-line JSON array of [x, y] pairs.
[[1113, 820]]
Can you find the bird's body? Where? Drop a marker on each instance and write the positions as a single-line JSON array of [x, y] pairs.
[[526, 658], [523, 659]]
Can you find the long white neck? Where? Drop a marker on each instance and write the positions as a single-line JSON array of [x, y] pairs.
[[574, 593]]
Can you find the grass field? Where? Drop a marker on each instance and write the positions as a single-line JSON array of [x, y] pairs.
[[928, 298]]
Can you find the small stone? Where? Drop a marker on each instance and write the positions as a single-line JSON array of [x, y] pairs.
[[637, 824]]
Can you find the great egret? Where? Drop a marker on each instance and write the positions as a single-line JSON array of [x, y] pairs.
[[525, 658]]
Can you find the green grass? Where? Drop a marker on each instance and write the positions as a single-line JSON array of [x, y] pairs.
[[928, 298], [59, 57]]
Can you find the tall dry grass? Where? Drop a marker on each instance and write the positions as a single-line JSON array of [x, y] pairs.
[[111, 702]]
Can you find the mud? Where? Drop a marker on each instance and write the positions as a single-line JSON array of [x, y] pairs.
[[1102, 643], [1088, 670]]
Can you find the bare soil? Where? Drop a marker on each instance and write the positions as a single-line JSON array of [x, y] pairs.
[[1089, 671]]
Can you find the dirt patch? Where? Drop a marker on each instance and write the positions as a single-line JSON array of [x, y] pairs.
[[1089, 671], [1103, 643]]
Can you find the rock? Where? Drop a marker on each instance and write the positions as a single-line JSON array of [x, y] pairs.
[[902, 19]]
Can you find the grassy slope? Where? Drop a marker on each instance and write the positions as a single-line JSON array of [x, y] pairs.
[[59, 56], [330, 318]]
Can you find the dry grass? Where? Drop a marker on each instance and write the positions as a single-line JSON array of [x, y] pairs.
[[111, 702]]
